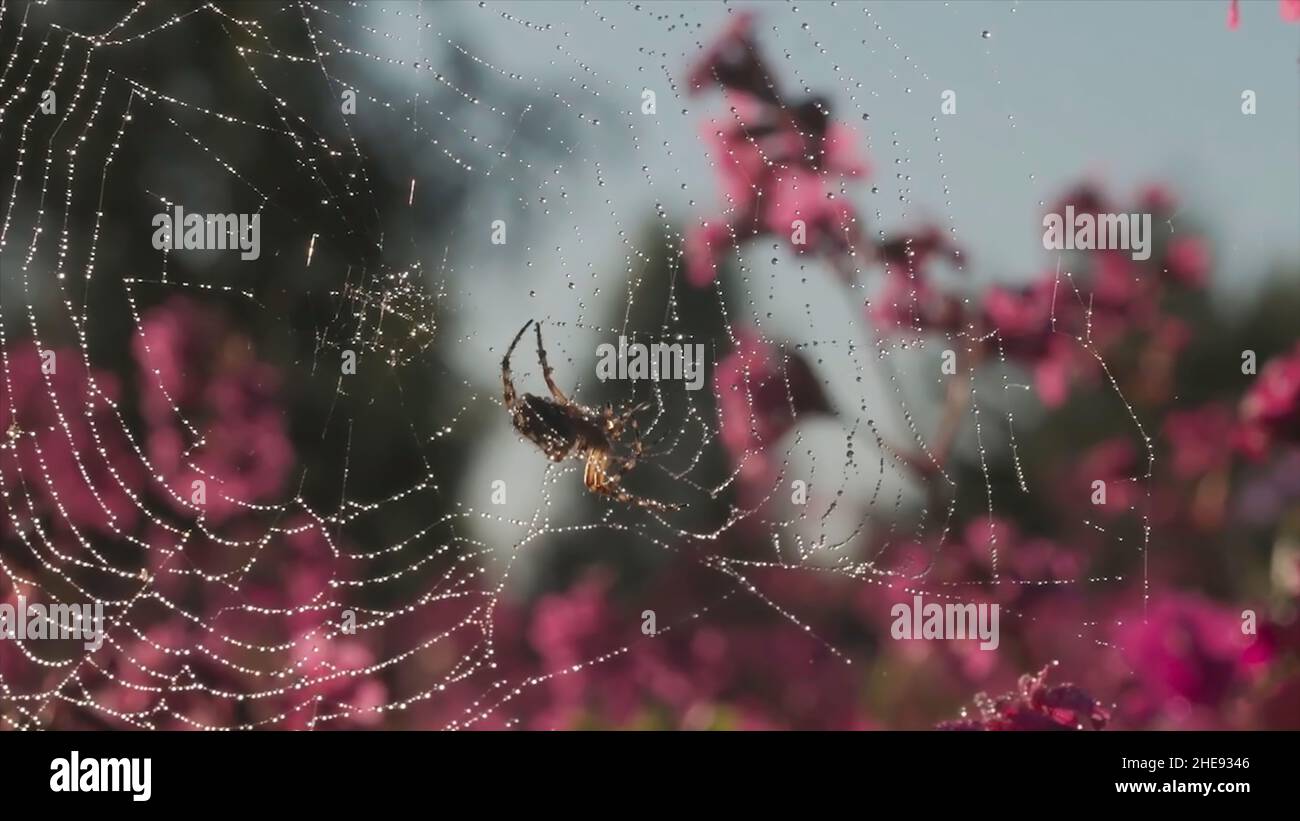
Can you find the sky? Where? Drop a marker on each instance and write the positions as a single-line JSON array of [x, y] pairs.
[[1118, 90]]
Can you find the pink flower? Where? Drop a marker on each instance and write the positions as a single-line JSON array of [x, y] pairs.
[[760, 396], [1118, 289], [213, 411], [909, 254], [333, 684], [162, 679], [1023, 320], [1186, 652], [776, 167], [908, 300], [1035, 706], [293, 575], [740, 152], [1113, 462], [1270, 411], [1187, 261], [802, 134], [913, 303], [21, 669], [1058, 324], [1028, 558], [1289, 10], [733, 62], [563, 623], [830, 223], [174, 349], [705, 246], [64, 452], [568, 629], [1197, 439], [1157, 198], [1052, 372], [840, 154], [1086, 198], [777, 162]]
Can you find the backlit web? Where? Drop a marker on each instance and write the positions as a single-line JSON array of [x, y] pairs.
[[350, 563]]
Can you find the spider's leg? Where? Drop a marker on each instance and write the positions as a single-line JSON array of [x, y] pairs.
[[599, 480], [510, 395], [546, 369], [592, 473], [638, 447], [620, 495], [634, 410]]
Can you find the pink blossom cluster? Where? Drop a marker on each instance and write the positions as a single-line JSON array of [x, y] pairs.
[[1034, 705], [1059, 324], [1270, 410], [1288, 10], [1180, 660], [762, 392], [227, 591], [779, 161]]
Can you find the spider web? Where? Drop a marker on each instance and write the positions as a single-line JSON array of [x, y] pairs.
[[400, 595]]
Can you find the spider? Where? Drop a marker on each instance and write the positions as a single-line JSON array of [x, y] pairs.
[[566, 429]]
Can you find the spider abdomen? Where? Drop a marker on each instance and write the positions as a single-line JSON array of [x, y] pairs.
[[560, 431], [563, 428]]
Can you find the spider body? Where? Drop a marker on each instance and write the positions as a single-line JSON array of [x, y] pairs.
[[556, 429], [563, 429]]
